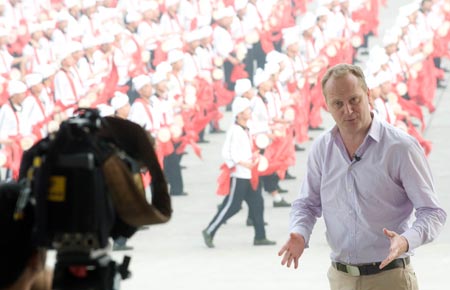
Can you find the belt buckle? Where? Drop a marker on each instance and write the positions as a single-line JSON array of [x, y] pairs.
[[353, 270]]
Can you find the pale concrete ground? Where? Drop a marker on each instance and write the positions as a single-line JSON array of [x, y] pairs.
[[173, 256]]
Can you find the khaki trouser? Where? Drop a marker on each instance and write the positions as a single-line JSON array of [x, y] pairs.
[[395, 279]]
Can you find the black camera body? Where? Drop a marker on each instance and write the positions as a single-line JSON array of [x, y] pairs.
[[76, 212]]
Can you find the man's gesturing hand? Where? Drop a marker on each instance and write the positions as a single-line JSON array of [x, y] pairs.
[[399, 245], [292, 250]]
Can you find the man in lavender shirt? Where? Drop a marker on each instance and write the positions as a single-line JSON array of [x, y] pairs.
[[366, 177]]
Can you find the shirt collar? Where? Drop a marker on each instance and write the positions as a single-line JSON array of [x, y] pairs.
[[374, 130]]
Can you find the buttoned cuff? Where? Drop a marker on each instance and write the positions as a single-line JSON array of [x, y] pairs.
[[413, 238]]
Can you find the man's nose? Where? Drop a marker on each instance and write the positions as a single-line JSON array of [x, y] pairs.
[[348, 108]]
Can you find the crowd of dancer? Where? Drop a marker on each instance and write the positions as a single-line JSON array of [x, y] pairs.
[[175, 66]]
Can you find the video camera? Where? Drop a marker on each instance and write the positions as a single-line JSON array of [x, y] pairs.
[[85, 185]]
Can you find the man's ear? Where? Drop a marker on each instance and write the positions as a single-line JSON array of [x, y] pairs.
[[326, 104]]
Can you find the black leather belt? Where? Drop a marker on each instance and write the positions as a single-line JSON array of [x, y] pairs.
[[370, 269]]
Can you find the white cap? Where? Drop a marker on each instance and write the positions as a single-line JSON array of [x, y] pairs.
[[205, 31], [163, 67], [119, 100], [242, 86], [63, 52], [171, 2], [48, 24], [75, 46], [290, 37], [239, 105], [172, 44], [193, 36], [372, 82], [383, 77], [46, 70], [240, 4], [149, 5], [71, 3], [89, 3], [389, 38], [407, 10], [324, 2], [33, 79], [260, 77], [383, 58], [402, 21], [158, 77], [272, 68], [294, 30], [63, 15], [89, 41], [373, 66], [140, 81], [16, 87], [3, 32], [133, 16], [34, 27], [105, 38], [116, 29], [224, 12], [290, 40], [274, 56], [175, 55], [105, 110], [308, 21], [322, 11]]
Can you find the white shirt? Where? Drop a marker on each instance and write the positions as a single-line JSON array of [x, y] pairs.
[[384, 111], [89, 25], [260, 116], [171, 25], [64, 91], [273, 105], [222, 41], [39, 56], [5, 61], [36, 112], [13, 123], [191, 65], [165, 110], [149, 33], [140, 115], [237, 148]]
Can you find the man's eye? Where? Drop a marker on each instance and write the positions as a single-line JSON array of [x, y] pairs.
[[354, 101]]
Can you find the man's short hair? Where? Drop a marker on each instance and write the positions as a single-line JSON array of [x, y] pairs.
[[16, 244], [341, 70]]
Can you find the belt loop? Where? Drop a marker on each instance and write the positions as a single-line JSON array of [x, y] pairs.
[[404, 262]]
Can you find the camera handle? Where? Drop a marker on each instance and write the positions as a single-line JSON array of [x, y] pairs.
[[75, 271]]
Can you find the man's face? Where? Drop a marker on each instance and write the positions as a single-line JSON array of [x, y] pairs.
[[426, 6], [162, 89], [293, 49], [245, 115], [322, 22], [146, 91], [124, 111], [37, 89], [18, 98], [348, 103], [390, 49], [249, 94], [68, 61]]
